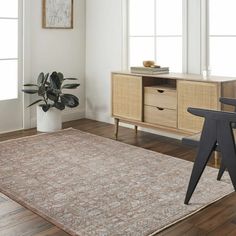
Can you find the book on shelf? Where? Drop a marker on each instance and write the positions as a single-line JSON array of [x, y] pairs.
[[149, 70]]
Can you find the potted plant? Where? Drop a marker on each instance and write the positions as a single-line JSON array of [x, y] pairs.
[[53, 100]]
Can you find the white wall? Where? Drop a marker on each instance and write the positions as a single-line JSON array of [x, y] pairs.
[[51, 50], [104, 47], [64, 50], [103, 54]]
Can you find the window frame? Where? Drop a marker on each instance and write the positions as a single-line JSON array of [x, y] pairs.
[[205, 39], [19, 57], [126, 33]]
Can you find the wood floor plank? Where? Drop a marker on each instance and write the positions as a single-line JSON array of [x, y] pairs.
[[54, 231], [7, 207], [28, 227], [219, 219], [224, 229], [14, 218]]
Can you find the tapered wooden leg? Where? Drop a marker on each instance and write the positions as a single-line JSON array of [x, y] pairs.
[[136, 129], [216, 158], [206, 147], [116, 127]]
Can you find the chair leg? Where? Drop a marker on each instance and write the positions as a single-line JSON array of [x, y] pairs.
[[226, 142], [206, 147], [221, 171]]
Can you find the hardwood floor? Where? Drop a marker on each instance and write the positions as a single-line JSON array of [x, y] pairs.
[[219, 219]]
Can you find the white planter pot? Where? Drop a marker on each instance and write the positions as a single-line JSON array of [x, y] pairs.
[[49, 121]]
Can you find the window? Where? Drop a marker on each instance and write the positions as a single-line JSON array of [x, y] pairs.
[[222, 37], [155, 32], [8, 49]]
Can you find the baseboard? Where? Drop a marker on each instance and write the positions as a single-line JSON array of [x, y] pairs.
[[67, 116], [99, 116], [105, 117]]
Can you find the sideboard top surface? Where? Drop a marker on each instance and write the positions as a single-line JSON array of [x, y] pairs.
[[181, 76]]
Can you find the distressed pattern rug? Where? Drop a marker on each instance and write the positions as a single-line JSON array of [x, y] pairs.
[[90, 185]]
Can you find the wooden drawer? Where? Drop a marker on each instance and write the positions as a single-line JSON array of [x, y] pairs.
[[160, 97], [160, 116]]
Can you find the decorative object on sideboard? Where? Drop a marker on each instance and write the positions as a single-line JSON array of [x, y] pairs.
[[149, 67], [52, 101], [149, 70], [148, 63], [58, 14]]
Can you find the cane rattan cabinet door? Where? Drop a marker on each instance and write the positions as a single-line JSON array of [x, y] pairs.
[[127, 97], [195, 94]]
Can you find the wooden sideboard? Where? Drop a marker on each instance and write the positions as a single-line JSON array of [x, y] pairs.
[[161, 101]]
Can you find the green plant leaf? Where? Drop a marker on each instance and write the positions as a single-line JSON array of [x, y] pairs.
[[30, 91], [40, 78], [70, 86], [61, 76], [42, 90], [45, 79], [40, 100], [70, 79], [45, 107], [69, 100], [59, 105], [52, 96], [30, 85], [55, 91], [55, 81]]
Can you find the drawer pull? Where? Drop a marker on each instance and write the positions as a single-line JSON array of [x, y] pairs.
[[160, 91], [160, 109]]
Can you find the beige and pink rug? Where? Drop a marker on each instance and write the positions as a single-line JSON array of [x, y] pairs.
[[90, 185]]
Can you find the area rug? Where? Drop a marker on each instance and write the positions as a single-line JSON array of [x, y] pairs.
[[90, 185]]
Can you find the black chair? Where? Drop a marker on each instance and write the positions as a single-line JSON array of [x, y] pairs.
[[217, 135], [194, 140]]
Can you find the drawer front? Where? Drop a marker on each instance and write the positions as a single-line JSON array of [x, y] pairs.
[[160, 116], [160, 97]]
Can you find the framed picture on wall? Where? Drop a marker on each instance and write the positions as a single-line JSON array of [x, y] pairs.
[[58, 14]]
